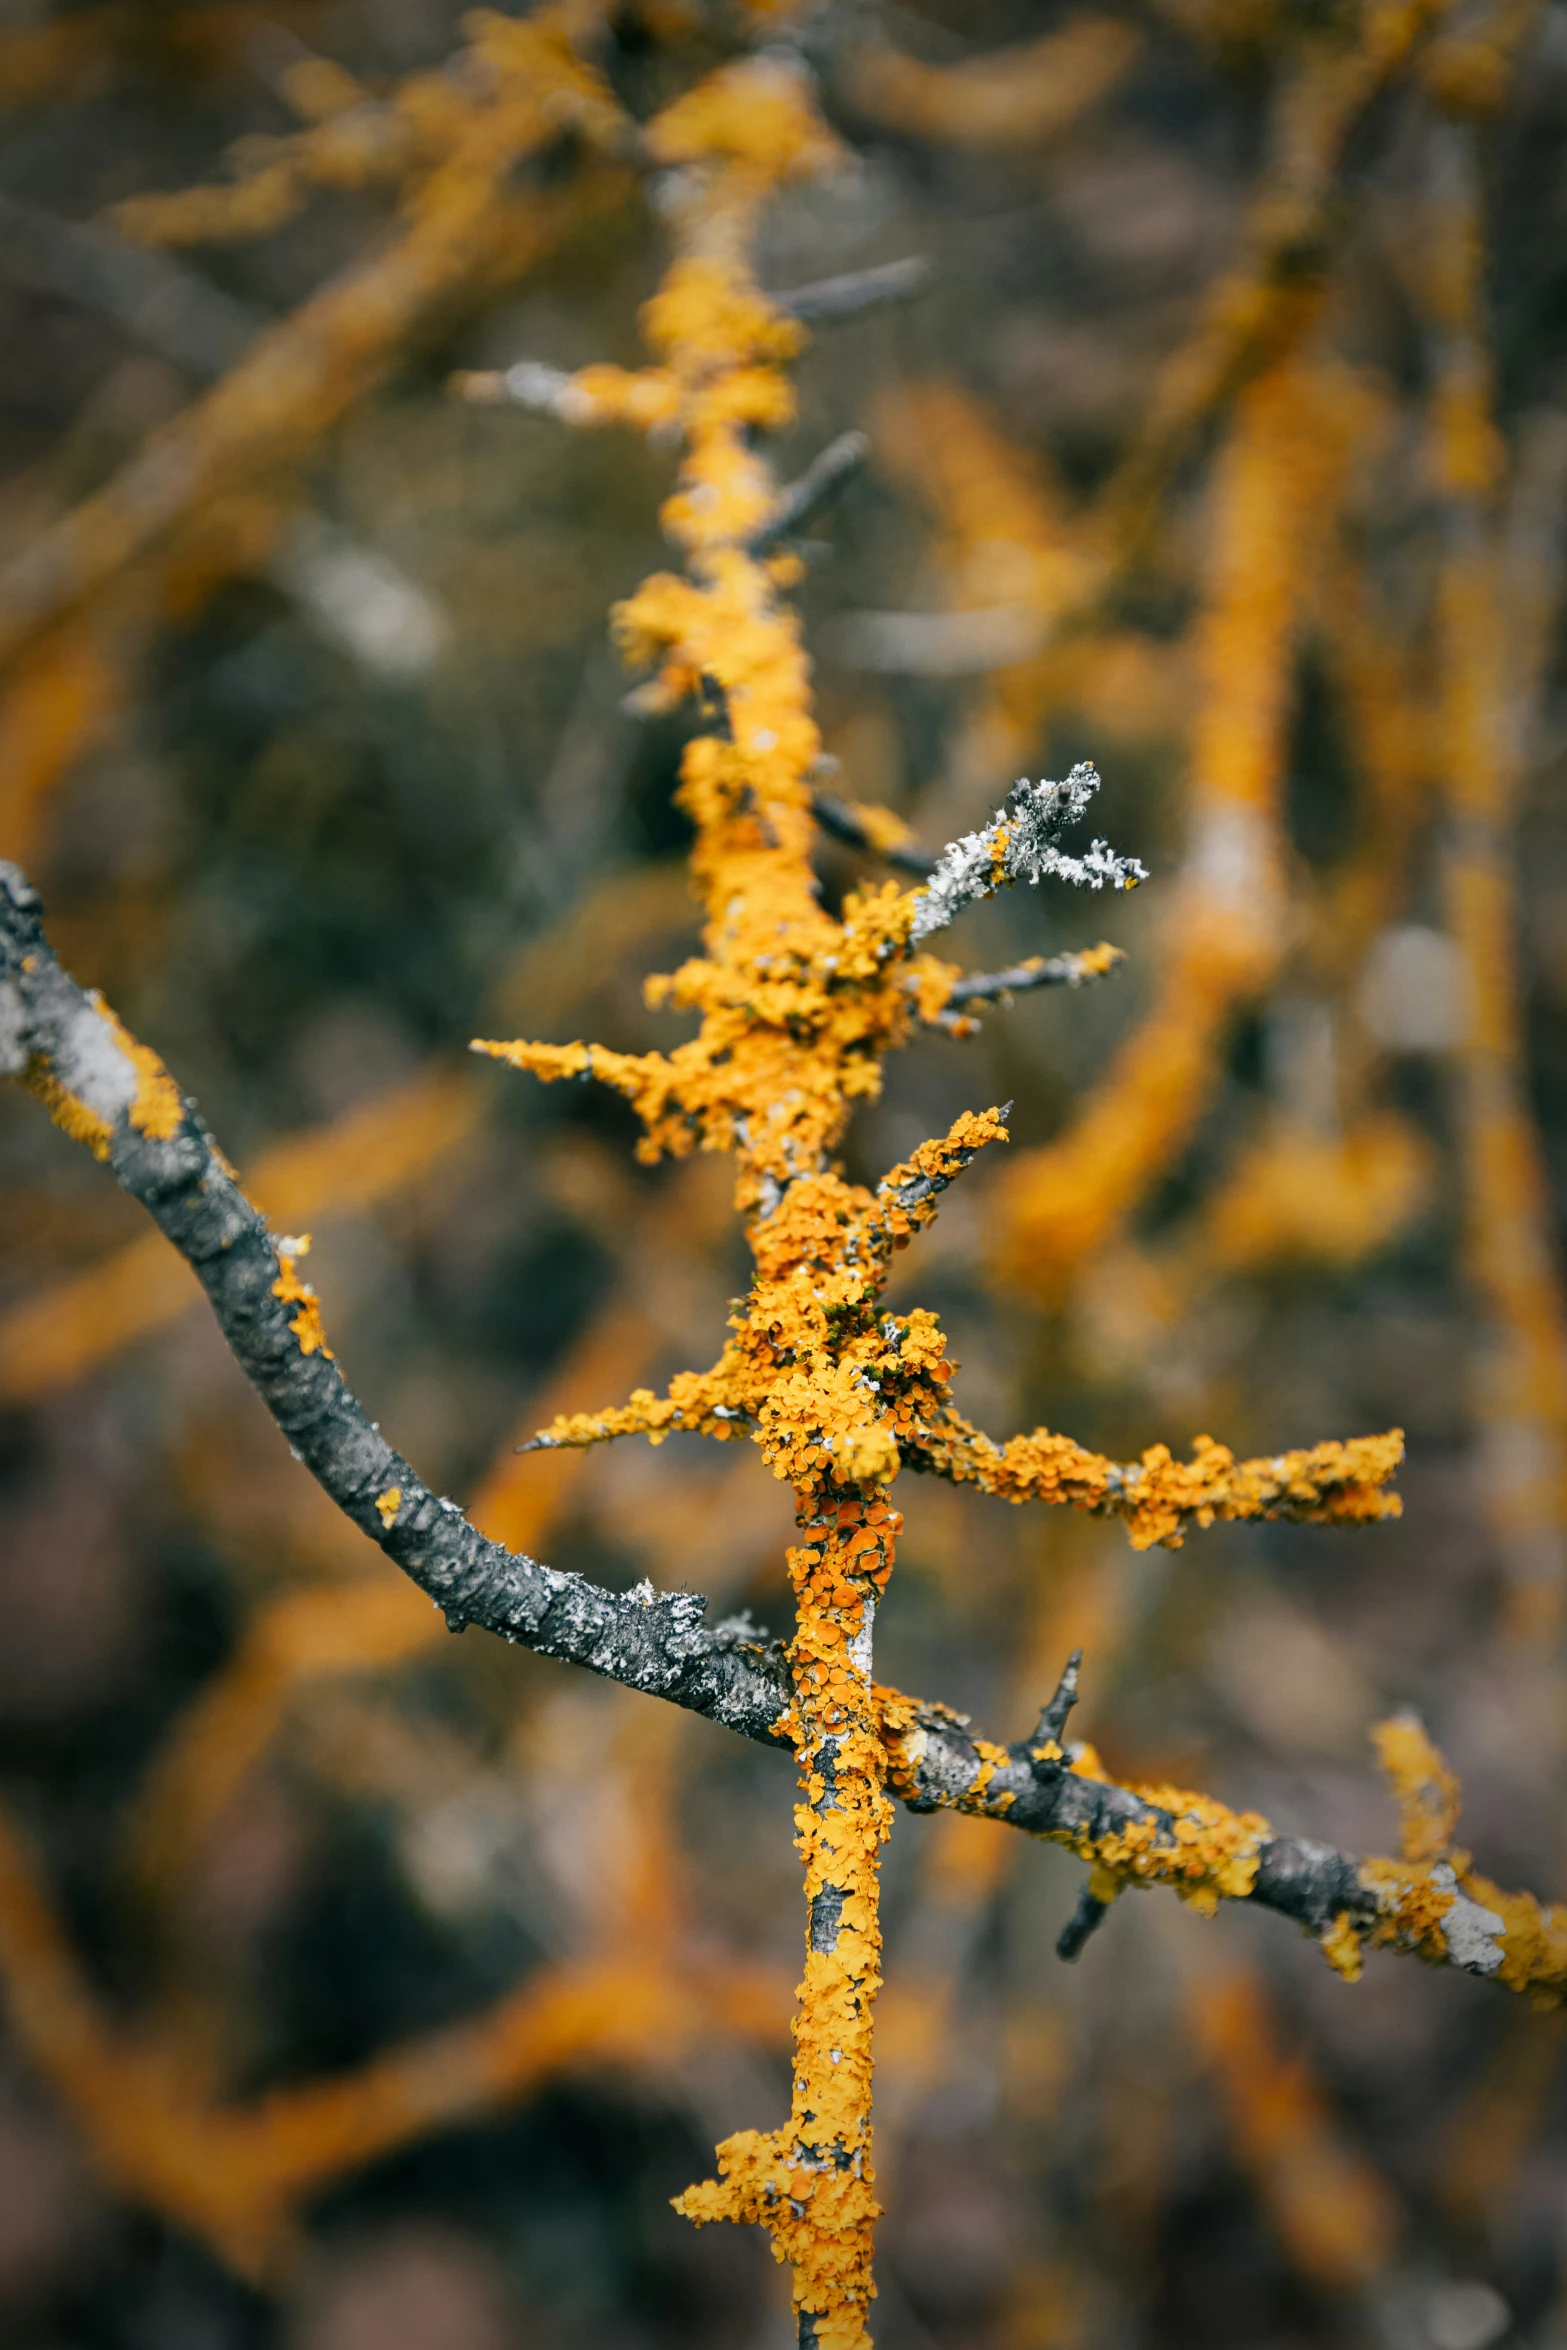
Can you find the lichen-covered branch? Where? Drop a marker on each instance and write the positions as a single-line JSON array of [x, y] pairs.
[[1071, 969], [1022, 843], [796, 1008], [112, 1094]]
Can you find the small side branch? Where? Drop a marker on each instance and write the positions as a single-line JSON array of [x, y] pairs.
[[822, 479], [159, 301], [1054, 1716], [832, 299], [876, 830], [1084, 1921], [1068, 970], [1022, 842]]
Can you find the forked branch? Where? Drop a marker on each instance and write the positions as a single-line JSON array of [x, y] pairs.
[[114, 1095]]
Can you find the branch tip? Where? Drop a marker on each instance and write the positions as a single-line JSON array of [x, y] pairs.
[[1084, 1921], [1052, 1721]]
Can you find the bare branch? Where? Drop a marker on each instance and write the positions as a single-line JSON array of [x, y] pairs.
[[822, 479], [1068, 970], [833, 298], [162, 303], [1053, 1719], [1086, 1919], [874, 830]]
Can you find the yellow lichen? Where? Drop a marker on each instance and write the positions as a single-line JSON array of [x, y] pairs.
[[157, 1110], [307, 1324], [1340, 1946], [69, 1112], [388, 1504], [796, 1011], [1426, 1791]]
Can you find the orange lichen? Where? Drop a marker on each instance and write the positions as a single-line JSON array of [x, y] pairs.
[[1426, 1791], [388, 1504], [1340, 1946], [157, 1109], [796, 1012], [306, 1324], [811, 2183], [1419, 1896], [1533, 1940], [1207, 1852], [70, 1113]]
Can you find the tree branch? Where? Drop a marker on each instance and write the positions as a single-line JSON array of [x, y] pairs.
[[113, 1094], [821, 480], [110, 1092], [830, 299], [1068, 970], [162, 303], [874, 829]]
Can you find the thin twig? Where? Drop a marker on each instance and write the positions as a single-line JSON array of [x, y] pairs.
[[845, 823], [833, 298], [1085, 1920], [159, 301], [822, 479], [1068, 970]]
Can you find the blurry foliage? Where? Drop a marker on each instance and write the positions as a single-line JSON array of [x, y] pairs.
[[351, 1993]]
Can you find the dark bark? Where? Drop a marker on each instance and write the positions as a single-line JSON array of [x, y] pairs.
[[822, 479], [830, 299]]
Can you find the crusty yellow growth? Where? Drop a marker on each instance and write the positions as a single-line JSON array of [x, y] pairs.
[[811, 2183], [884, 830], [796, 1011], [306, 1325], [1094, 962], [157, 1109], [1426, 1791], [1209, 1853], [388, 1504], [1160, 1497], [69, 1112], [1533, 1939], [1340, 1946], [1416, 1894]]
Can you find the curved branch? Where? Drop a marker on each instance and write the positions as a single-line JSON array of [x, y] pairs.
[[110, 1092]]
